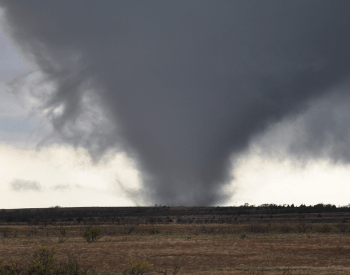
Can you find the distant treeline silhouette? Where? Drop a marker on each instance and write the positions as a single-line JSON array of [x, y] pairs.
[[156, 214]]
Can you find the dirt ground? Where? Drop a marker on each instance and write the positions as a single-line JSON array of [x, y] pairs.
[[195, 252]]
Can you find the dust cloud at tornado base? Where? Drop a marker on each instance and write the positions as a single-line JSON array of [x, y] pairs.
[[185, 87]]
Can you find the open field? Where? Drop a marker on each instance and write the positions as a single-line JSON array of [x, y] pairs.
[[248, 248]]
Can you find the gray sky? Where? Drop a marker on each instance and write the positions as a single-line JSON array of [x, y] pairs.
[[186, 89]]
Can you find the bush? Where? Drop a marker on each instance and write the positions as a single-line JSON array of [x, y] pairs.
[[72, 266], [286, 228], [257, 228], [92, 235], [326, 228], [169, 266], [43, 262], [128, 229], [154, 230], [303, 227], [5, 232], [342, 227], [134, 267], [11, 267]]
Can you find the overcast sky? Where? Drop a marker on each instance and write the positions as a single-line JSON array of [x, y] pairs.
[[175, 103]]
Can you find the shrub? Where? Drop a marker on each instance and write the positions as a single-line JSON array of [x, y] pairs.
[[11, 267], [154, 230], [169, 266], [256, 228], [128, 229], [326, 228], [286, 228], [287, 272], [5, 232], [342, 227], [62, 236], [92, 235], [61, 239], [62, 231], [43, 262], [72, 267], [259, 272], [303, 227], [134, 267]]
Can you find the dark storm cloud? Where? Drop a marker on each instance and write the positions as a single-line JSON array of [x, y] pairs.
[[181, 86], [25, 185], [321, 132], [324, 130]]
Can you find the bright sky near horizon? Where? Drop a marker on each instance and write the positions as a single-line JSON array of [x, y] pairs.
[[38, 174]]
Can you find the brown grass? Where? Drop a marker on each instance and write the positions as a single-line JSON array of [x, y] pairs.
[[200, 253]]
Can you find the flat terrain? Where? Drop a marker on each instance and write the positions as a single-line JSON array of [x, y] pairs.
[[249, 248]]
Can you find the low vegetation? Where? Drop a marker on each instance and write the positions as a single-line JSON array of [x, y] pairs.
[[168, 245], [92, 234], [43, 262], [137, 268]]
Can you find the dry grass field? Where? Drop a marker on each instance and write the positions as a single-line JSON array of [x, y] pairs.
[[197, 249]]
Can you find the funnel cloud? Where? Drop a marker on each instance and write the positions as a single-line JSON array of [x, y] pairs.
[[183, 87]]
